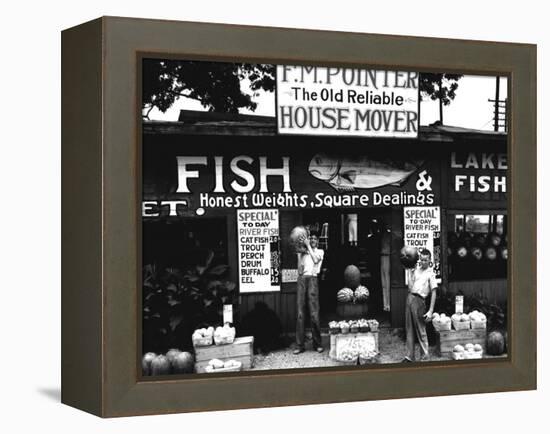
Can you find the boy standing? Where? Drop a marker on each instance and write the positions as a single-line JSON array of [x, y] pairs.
[[309, 266], [421, 283]]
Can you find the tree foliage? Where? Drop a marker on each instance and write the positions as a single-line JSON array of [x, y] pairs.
[[216, 85], [440, 87]]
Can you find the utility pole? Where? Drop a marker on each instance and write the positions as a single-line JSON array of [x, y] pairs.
[[497, 94], [440, 84], [500, 111]]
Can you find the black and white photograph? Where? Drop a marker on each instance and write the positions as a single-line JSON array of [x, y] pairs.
[[312, 217], [299, 216]]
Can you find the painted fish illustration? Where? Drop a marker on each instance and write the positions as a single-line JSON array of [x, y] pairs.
[[362, 172]]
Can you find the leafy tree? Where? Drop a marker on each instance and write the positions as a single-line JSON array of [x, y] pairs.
[[216, 85], [440, 87]]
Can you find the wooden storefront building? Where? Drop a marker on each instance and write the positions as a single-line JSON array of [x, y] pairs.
[[190, 208]]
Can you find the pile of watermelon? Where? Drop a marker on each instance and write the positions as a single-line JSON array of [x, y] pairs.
[[348, 295], [174, 362], [345, 295]]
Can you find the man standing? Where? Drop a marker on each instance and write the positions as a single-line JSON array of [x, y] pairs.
[[421, 283], [309, 267]]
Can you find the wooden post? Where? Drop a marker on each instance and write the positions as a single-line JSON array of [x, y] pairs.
[[497, 92]]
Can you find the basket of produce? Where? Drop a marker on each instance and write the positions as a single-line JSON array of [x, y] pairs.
[[353, 327], [333, 327], [467, 352], [373, 325], [363, 325], [441, 322], [478, 320], [202, 337], [460, 321], [224, 335], [344, 327], [216, 365]]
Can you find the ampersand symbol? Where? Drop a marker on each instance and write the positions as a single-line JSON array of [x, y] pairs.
[[424, 182]]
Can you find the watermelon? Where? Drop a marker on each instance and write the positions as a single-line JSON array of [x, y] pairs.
[[495, 239], [495, 343], [173, 352], [345, 295], [466, 239], [183, 363], [361, 293], [408, 256], [490, 254], [476, 253], [296, 235], [504, 253], [352, 276], [146, 363], [160, 365], [480, 240], [462, 252]]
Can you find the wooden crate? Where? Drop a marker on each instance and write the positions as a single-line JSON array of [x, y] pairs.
[[241, 350], [447, 339], [334, 339], [351, 310]]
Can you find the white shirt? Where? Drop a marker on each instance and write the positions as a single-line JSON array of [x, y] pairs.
[[422, 282], [309, 267]]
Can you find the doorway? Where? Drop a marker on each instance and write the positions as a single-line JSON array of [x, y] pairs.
[[351, 237]]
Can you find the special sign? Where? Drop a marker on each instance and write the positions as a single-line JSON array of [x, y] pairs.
[[344, 101], [259, 250], [423, 230]]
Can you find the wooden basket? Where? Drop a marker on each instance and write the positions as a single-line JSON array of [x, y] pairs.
[[439, 326], [459, 356], [461, 325], [210, 370], [468, 355], [477, 325], [202, 342], [224, 340], [471, 355]]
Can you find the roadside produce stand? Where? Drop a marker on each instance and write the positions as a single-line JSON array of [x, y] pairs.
[[220, 351], [460, 331], [353, 341]]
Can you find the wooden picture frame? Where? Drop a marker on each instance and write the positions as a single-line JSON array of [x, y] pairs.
[[101, 220]]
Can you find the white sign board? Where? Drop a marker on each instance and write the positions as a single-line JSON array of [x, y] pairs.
[[347, 101], [422, 229], [227, 313], [259, 250], [459, 304]]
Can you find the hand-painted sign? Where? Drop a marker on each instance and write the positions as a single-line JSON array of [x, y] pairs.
[[478, 175], [346, 102], [259, 250], [202, 185], [423, 230]]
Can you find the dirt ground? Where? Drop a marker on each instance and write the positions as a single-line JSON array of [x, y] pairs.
[[391, 347]]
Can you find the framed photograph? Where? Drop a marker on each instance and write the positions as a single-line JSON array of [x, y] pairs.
[[263, 217]]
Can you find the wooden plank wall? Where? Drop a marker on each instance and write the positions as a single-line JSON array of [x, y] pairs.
[[283, 303], [398, 293], [495, 290]]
